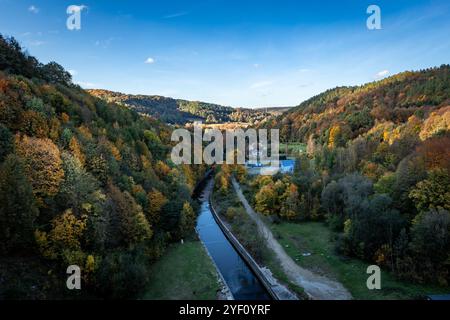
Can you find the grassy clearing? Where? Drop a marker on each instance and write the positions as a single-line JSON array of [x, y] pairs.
[[317, 239], [184, 272]]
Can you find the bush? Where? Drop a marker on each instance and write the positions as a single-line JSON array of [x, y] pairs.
[[231, 213], [122, 275], [430, 245]]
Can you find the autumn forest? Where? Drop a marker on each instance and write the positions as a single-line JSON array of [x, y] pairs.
[[86, 179]]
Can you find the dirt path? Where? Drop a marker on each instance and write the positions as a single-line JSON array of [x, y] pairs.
[[317, 287]]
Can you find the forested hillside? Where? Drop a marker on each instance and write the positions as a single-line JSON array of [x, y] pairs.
[[343, 113], [82, 182], [177, 111], [377, 170]]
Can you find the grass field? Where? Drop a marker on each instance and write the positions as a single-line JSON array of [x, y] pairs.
[[184, 272], [316, 238]]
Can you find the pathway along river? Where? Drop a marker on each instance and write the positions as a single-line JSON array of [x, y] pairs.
[[239, 277]]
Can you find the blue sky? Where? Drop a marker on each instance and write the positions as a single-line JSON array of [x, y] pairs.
[[243, 53]]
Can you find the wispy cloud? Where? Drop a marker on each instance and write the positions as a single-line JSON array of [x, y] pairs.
[[261, 84], [73, 72], [36, 43], [104, 43], [382, 74], [150, 60], [33, 9], [87, 85], [176, 15]]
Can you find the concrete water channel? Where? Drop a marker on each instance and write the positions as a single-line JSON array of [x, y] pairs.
[[235, 270]]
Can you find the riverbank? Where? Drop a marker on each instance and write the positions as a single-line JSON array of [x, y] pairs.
[[185, 272]]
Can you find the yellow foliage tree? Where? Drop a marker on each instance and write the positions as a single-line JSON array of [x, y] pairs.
[[335, 134], [241, 173], [115, 152], [266, 200], [68, 230], [222, 182], [162, 169], [156, 202], [133, 225], [75, 148], [190, 176], [187, 219], [290, 202], [85, 132], [54, 128], [65, 237], [43, 165], [65, 117]]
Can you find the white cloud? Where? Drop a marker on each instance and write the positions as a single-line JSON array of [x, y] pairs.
[[33, 9], [73, 72], [260, 84], [176, 15], [256, 65], [87, 85], [150, 60], [382, 74]]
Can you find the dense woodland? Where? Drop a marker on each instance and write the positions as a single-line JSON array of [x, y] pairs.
[[177, 111], [82, 182], [377, 170], [85, 180], [342, 114]]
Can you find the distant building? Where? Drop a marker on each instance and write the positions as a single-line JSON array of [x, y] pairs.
[[287, 166], [258, 168]]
